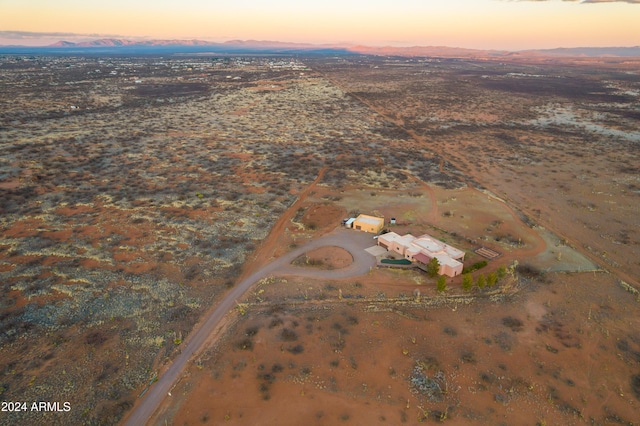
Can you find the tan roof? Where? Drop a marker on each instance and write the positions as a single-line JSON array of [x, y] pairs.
[[370, 220]]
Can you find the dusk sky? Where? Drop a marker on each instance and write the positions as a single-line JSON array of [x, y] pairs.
[[483, 24]]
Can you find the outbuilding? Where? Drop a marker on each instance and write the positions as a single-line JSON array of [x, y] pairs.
[[368, 223]]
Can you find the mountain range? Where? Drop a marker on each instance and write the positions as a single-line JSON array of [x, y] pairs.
[[113, 45]]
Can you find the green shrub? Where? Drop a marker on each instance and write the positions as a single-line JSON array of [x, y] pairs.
[[481, 281], [492, 278], [467, 282], [396, 261], [475, 266], [433, 267]]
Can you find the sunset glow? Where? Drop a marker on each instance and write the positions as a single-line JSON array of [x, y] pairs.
[[484, 24]]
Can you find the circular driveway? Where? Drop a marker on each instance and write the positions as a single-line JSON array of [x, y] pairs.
[[353, 241]]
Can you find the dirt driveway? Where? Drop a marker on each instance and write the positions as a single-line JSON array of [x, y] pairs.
[[352, 241]]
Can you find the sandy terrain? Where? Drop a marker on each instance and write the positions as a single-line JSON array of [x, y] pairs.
[[537, 357]]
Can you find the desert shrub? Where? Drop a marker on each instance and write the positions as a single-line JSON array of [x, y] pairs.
[[252, 331], [530, 271], [108, 370], [297, 349], [513, 323], [245, 344], [95, 338], [352, 320], [450, 331], [340, 328], [275, 322], [177, 313], [468, 357], [635, 385], [267, 377], [112, 413], [288, 335], [353, 363], [192, 272]]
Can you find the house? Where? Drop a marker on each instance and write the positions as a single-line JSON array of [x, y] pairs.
[[424, 248], [368, 223]]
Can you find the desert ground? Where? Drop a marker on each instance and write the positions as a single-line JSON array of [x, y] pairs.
[[136, 192]]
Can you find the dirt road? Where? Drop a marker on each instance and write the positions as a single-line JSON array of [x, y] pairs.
[[352, 241]]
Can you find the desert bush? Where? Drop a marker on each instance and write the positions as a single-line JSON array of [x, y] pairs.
[[297, 349], [275, 322], [191, 272], [245, 344], [513, 323], [635, 385], [288, 335], [351, 320], [450, 331], [468, 357], [251, 331], [530, 271], [95, 338]]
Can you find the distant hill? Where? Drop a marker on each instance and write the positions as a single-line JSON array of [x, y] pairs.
[[124, 46], [590, 52], [457, 52], [427, 51], [111, 42]]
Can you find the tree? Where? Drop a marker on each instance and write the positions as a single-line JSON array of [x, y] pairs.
[[502, 271], [492, 279], [467, 282], [433, 267], [442, 283], [481, 282]]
